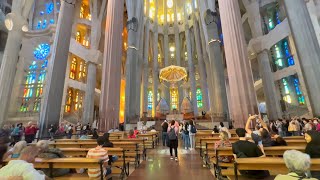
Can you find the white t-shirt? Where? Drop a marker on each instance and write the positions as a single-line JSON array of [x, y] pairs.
[[21, 168]]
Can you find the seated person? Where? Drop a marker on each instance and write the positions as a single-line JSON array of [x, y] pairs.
[[23, 166], [84, 135], [46, 152], [298, 170], [153, 129], [17, 148], [261, 136], [131, 135], [99, 153], [279, 142], [313, 148], [223, 142], [107, 143], [244, 149], [95, 134], [136, 131], [215, 130]]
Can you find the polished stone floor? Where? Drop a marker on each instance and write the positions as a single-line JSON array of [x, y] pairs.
[[159, 166]]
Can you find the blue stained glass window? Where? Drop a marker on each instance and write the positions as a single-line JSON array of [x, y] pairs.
[[39, 24], [41, 13], [42, 51], [44, 25], [150, 98], [45, 64], [277, 18], [49, 8], [51, 21]]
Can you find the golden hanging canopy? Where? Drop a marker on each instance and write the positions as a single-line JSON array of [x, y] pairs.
[[173, 74]]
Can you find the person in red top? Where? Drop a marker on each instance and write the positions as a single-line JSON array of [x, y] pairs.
[[30, 132], [136, 131], [131, 134]]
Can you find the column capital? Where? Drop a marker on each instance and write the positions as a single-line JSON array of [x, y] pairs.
[[15, 22]]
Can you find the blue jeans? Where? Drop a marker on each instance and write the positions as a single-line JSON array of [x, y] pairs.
[[186, 140], [164, 138]]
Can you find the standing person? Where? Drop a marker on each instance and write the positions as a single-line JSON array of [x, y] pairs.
[[192, 132], [293, 127], [69, 131], [313, 148], [16, 133], [221, 126], [78, 129], [52, 130], [164, 126], [30, 132], [186, 138], [173, 139]]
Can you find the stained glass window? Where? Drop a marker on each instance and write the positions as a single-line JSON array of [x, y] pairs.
[[73, 68], [199, 98], [281, 55], [174, 98], [33, 86], [296, 83], [69, 100], [286, 96], [44, 14], [150, 97]]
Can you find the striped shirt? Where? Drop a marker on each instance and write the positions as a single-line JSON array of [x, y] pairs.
[[98, 153]]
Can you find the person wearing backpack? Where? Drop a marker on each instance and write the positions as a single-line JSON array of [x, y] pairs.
[[173, 139], [192, 132]]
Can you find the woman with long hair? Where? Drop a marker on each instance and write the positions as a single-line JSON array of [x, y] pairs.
[[173, 131], [313, 148]]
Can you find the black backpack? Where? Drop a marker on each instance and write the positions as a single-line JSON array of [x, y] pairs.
[[193, 129], [172, 134]]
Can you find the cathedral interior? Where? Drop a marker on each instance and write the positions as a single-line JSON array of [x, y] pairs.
[[117, 61]]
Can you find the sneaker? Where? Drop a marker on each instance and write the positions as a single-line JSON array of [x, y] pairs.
[[171, 158], [176, 159]]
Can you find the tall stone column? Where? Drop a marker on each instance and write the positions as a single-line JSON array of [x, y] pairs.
[[133, 23], [192, 78], [53, 93], [111, 66], [242, 92], [308, 49], [88, 113], [176, 36], [269, 89], [155, 70], [218, 93], [166, 51], [205, 62], [139, 65], [202, 70], [145, 72], [14, 21]]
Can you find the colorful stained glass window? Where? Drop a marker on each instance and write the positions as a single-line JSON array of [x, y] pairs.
[[49, 8], [199, 98], [150, 98], [281, 55], [73, 68], [69, 100], [174, 98], [301, 99], [33, 85], [286, 96], [45, 15]]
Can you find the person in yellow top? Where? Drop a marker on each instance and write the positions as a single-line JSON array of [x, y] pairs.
[[298, 170]]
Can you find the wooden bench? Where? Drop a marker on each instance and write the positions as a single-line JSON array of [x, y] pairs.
[[150, 140], [274, 165], [119, 167], [296, 142], [70, 163], [141, 146], [132, 151]]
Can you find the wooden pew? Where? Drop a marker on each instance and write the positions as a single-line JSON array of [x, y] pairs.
[[274, 165], [296, 142], [119, 167], [150, 139], [132, 151], [141, 146], [70, 163]]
